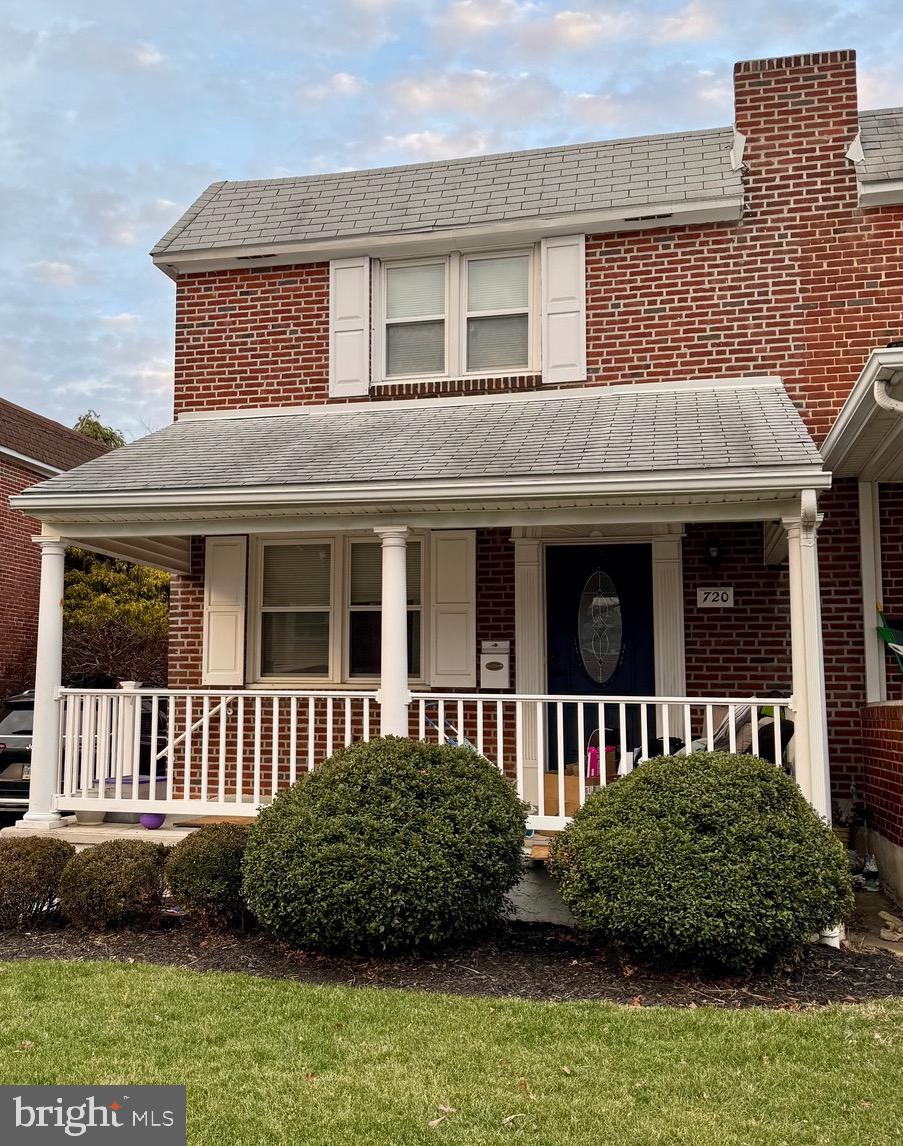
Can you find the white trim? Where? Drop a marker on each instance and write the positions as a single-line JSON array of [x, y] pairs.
[[861, 404], [29, 462], [872, 593], [547, 394], [884, 194], [429, 241]]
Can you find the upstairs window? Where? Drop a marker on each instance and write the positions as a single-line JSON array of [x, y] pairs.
[[455, 316]]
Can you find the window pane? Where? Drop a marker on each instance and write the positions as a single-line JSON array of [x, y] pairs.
[[412, 291], [498, 284], [415, 348], [366, 630], [296, 575], [366, 573], [295, 644], [497, 342]]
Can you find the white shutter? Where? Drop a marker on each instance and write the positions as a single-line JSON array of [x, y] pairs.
[[564, 309], [225, 571], [453, 608], [349, 327]]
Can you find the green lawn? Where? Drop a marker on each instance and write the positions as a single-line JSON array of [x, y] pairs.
[[281, 1062]]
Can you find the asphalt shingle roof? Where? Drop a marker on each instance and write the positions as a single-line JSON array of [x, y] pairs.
[[35, 436], [720, 425], [882, 145], [630, 173]]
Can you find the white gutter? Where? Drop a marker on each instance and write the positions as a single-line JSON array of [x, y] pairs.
[[31, 463], [580, 485], [884, 194], [430, 240]]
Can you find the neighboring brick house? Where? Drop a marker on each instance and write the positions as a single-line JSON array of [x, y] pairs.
[[32, 448], [577, 393]]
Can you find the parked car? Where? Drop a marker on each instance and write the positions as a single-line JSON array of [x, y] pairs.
[[16, 725]]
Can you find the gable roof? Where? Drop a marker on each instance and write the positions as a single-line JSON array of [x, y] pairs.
[[32, 436], [594, 438], [632, 176], [635, 173], [881, 135]]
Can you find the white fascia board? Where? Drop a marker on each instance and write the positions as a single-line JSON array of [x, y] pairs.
[[506, 232], [29, 462], [884, 194], [546, 394], [659, 483], [859, 406]]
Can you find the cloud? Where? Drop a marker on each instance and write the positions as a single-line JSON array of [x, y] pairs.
[[339, 84], [124, 319], [693, 22], [423, 146], [58, 274]]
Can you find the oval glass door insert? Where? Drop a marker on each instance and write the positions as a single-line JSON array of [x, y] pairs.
[[600, 629]]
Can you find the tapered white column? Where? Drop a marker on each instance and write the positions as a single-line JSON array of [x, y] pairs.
[[810, 724], [393, 685], [48, 666]]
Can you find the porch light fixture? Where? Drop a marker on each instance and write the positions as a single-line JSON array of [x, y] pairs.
[[713, 552]]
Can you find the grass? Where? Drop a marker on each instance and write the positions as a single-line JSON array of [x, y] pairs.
[[281, 1062]]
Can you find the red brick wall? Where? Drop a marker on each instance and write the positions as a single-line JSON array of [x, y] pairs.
[[882, 734], [186, 622], [20, 570]]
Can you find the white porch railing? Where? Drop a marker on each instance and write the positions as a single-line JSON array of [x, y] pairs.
[[229, 752]]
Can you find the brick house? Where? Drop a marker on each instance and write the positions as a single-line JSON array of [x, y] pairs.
[[524, 449], [32, 448]]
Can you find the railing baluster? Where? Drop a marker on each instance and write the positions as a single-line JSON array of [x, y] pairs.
[[367, 719], [136, 702], [559, 719], [240, 750], [171, 717], [440, 731], [540, 759], [500, 734], [709, 729], [221, 764], [274, 756], [688, 731], [421, 719], [581, 756], [293, 741], [70, 739], [205, 747], [329, 720], [189, 723], [480, 727], [461, 734], [644, 731], [154, 738], [311, 731], [666, 729], [518, 747], [258, 720], [778, 748], [754, 728], [626, 764], [732, 726], [116, 742], [348, 735]]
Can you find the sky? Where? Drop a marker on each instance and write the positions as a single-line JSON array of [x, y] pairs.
[[115, 114]]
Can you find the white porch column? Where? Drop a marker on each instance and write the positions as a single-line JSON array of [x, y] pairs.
[[870, 564], [393, 684], [48, 667], [810, 724]]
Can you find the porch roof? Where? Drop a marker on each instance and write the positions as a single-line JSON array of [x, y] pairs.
[[660, 433], [866, 440]]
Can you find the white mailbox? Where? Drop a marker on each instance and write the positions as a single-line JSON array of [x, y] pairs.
[[495, 664]]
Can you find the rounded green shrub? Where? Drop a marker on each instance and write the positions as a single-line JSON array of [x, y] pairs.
[[30, 871], [710, 859], [204, 873], [114, 884], [390, 845]]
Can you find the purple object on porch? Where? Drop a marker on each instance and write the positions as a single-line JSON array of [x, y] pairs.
[[152, 820], [592, 762]]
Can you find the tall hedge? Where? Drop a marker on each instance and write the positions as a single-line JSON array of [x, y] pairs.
[[390, 845], [709, 859]]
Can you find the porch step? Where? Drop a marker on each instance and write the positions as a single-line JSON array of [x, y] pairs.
[[86, 835]]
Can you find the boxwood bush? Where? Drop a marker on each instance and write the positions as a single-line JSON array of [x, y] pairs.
[[204, 873], [390, 845], [113, 884], [710, 859], [30, 871]]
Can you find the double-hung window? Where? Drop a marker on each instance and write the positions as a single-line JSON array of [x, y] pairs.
[[319, 605], [459, 315]]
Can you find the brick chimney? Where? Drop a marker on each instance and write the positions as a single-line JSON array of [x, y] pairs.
[[798, 115]]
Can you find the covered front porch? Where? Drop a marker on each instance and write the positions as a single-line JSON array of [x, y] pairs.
[[526, 605]]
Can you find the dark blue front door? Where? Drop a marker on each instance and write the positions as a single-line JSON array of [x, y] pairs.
[[598, 635]]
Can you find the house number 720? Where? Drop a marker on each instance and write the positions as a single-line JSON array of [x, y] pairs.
[[716, 598]]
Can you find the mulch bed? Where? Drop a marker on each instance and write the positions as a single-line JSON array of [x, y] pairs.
[[527, 961]]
